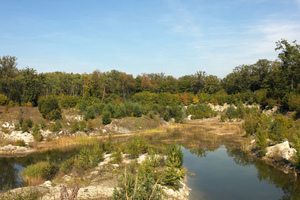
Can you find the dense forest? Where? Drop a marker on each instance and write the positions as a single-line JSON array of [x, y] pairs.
[[266, 82]]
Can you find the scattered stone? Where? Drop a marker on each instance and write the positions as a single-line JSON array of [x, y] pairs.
[[47, 184]]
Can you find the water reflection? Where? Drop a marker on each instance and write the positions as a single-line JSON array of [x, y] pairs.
[[11, 166], [229, 173]]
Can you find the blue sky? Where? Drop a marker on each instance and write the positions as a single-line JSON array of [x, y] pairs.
[[139, 36]]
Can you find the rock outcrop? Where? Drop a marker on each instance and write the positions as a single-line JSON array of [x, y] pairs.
[[281, 151]]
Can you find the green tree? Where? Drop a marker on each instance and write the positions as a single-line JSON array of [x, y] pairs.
[[106, 117], [290, 57], [49, 108]]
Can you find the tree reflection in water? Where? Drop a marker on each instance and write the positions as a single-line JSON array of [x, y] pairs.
[[288, 183], [11, 166]]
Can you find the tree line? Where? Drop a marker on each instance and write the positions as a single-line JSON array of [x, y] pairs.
[[265, 82]]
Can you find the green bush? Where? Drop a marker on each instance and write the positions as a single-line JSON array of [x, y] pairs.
[[20, 143], [67, 165], [173, 173], [135, 188], [55, 126], [49, 108], [116, 157], [3, 100], [175, 150], [89, 157], [106, 117], [138, 110], [36, 133], [74, 127], [82, 126], [41, 169], [134, 148], [69, 101], [89, 113], [201, 111]]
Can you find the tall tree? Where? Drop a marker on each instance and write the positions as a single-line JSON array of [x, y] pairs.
[[8, 74], [290, 57]]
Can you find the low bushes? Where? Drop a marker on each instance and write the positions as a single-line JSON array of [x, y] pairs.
[[39, 172]]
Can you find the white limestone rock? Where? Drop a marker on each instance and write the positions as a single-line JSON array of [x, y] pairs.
[[281, 150]]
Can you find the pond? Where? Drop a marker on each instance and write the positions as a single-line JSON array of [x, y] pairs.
[[222, 171], [10, 167], [229, 173]]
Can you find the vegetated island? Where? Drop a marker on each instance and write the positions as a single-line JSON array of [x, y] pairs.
[[122, 124]]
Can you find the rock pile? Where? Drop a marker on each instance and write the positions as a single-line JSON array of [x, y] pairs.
[[13, 149]]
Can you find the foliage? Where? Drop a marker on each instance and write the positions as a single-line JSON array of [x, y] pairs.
[[67, 165], [139, 187], [55, 126], [116, 157], [89, 157], [172, 173], [136, 146], [36, 133], [3, 99], [82, 126], [20, 143], [74, 127], [201, 111], [106, 117], [43, 169], [49, 108], [175, 151], [89, 113]]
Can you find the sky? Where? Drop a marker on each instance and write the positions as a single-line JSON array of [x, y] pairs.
[[176, 37]]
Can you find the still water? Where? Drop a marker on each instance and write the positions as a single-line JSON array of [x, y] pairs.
[[10, 167], [220, 173], [228, 173]]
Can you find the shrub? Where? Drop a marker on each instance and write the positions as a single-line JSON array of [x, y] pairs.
[[69, 101], [89, 113], [49, 108], [74, 127], [43, 124], [134, 148], [261, 140], [36, 133], [173, 173], [20, 143], [106, 117], [116, 157], [139, 187], [3, 100], [55, 126], [138, 110], [67, 165], [175, 150], [25, 127], [201, 111], [43, 170], [88, 158], [82, 125]]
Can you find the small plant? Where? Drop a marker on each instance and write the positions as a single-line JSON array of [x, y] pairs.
[[82, 126], [134, 148], [39, 172], [67, 165], [43, 124], [116, 157], [64, 195], [74, 127], [20, 143], [106, 118], [138, 187]]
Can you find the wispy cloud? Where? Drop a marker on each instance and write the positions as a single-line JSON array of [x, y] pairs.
[[181, 20]]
